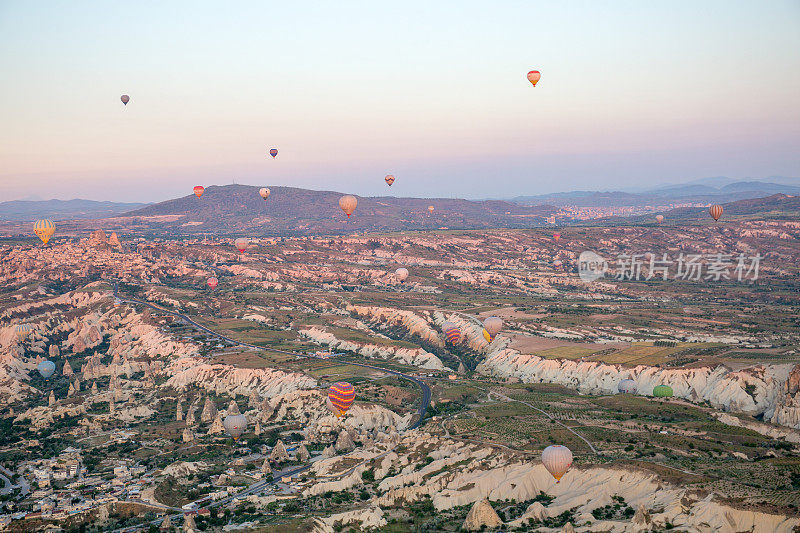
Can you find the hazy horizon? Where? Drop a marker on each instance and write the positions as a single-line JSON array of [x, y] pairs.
[[434, 94]]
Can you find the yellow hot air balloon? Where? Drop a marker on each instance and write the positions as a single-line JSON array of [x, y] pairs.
[[348, 204], [44, 229], [491, 327], [430, 209], [264, 192]]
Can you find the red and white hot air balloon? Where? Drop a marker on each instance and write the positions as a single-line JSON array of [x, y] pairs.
[[241, 244], [534, 76], [213, 282], [715, 211], [556, 236], [198, 190]]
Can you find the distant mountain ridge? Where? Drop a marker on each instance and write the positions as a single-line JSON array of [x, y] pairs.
[[709, 190], [239, 209], [30, 210]]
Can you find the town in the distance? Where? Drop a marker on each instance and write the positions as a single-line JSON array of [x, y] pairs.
[[275, 359]]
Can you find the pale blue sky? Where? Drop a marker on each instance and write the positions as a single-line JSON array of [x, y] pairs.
[[434, 92]]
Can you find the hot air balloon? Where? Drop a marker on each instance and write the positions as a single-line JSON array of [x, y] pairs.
[[715, 211], [125, 99], [46, 368], [557, 459], [430, 209], [44, 229], [241, 244], [235, 425], [662, 391], [556, 236], [264, 192], [534, 76], [627, 386], [348, 204], [401, 273], [491, 327], [213, 282], [389, 180], [340, 398], [659, 218], [22, 331], [451, 332], [557, 263], [273, 152], [198, 190]]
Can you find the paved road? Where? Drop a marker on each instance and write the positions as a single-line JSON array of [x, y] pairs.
[[425, 400]]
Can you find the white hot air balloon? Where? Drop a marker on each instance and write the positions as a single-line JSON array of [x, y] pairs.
[[402, 274], [627, 386], [557, 459], [348, 204], [235, 425]]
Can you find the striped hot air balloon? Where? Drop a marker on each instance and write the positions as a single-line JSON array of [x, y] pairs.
[[389, 180], [340, 398], [557, 459], [44, 229], [534, 76], [198, 190], [451, 332], [22, 331], [273, 152], [715, 211]]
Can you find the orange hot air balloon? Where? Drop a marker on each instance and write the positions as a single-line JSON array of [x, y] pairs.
[[715, 211], [198, 190], [213, 282], [389, 180], [430, 209], [264, 192], [556, 236], [534, 76], [348, 204], [340, 397], [44, 229], [241, 244]]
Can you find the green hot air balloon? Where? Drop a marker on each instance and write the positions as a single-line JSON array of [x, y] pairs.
[[662, 391]]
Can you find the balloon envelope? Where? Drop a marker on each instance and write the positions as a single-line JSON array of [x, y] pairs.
[[451, 332], [213, 282], [493, 325], [627, 386], [241, 244], [430, 209], [46, 368], [715, 211], [534, 76], [556, 236], [389, 180], [273, 152], [264, 192], [557, 459], [22, 331], [401, 273], [235, 425], [125, 99], [659, 218], [340, 397], [44, 229], [348, 204], [198, 190], [662, 391]]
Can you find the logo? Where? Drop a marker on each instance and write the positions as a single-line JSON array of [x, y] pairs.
[[591, 266]]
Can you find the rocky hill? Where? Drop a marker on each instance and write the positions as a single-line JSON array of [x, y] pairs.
[[293, 211]]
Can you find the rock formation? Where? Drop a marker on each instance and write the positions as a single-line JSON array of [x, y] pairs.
[[344, 443], [279, 453], [482, 515], [209, 411]]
